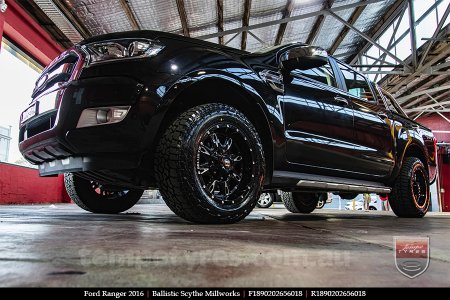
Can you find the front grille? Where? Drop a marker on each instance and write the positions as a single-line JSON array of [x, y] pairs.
[[63, 69], [49, 90]]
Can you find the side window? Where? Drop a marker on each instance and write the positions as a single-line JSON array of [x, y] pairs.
[[356, 84], [322, 74]]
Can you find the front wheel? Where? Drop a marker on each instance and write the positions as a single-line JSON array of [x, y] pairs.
[[209, 165], [94, 197], [297, 202], [410, 196]]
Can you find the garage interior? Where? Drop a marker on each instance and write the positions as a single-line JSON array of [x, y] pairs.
[[403, 45]]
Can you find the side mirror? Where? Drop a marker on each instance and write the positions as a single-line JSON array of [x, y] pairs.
[[303, 58]]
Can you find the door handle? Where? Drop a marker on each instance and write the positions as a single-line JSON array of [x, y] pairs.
[[341, 100]]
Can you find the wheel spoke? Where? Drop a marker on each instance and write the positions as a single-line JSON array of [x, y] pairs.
[[212, 187], [237, 158], [202, 169], [226, 189], [237, 177], [205, 150], [228, 144], [215, 140]]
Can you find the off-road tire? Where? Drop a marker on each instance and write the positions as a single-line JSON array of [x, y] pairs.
[[297, 202], [176, 165], [81, 191], [402, 199]]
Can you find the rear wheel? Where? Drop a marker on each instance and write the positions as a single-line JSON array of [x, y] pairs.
[[410, 196], [297, 202], [96, 198], [209, 165], [265, 200]]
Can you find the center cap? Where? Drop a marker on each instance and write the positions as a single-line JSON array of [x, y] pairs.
[[226, 163]]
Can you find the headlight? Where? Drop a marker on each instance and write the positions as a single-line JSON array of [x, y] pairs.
[[121, 49]]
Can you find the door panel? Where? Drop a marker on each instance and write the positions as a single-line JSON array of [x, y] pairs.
[[373, 136], [319, 129]]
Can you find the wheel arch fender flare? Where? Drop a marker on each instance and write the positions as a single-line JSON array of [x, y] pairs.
[[415, 148], [200, 87]]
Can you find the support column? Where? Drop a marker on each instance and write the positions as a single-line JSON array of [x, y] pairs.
[[412, 31]]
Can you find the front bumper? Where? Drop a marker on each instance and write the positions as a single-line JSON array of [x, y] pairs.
[[53, 141]]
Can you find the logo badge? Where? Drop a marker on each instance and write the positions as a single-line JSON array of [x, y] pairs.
[[412, 255]]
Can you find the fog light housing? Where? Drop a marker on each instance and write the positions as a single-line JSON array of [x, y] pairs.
[[102, 116]]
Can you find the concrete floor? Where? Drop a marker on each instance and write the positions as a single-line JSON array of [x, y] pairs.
[[61, 245]]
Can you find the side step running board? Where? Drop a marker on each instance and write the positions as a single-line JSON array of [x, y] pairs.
[[327, 183], [343, 187]]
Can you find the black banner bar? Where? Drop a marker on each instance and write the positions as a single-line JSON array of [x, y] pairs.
[[232, 293]]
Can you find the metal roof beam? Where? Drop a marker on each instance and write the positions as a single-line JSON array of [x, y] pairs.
[[438, 97], [434, 36], [443, 53], [352, 20], [400, 38], [429, 105], [245, 23], [367, 72], [232, 38], [73, 19], [286, 20], [427, 110], [385, 21], [312, 37], [440, 66], [427, 91], [183, 17], [391, 40], [437, 81], [220, 19], [286, 13], [367, 38], [257, 38], [131, 18]]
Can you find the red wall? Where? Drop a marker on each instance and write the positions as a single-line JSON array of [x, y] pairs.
[[437, 123], [21, 185], [27, 34]]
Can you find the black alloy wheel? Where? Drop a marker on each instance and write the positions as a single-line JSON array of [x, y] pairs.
[[209, 165]]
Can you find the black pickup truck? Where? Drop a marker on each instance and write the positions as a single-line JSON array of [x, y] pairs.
[[212, 127]]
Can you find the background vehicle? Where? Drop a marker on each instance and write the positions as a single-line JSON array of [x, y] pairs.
[[212, 127], [359, 205], [266, 200]]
